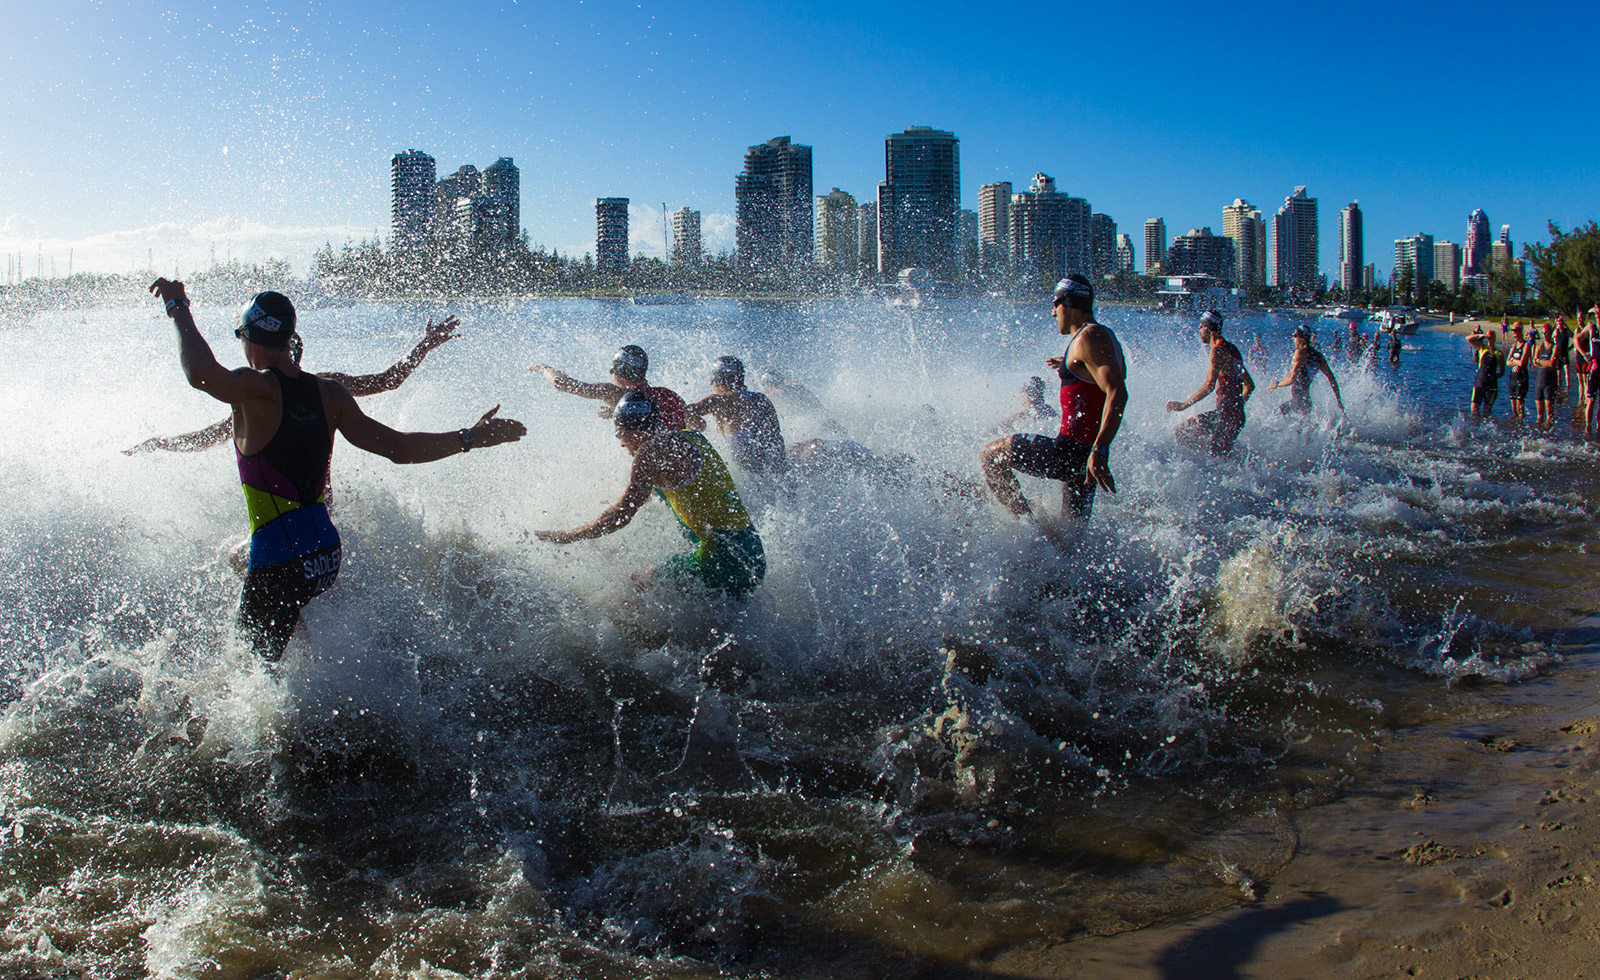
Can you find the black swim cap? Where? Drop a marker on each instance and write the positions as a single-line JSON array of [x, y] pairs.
[[1302, 331], [636, 413], [631, 363], [729, 372], [267, 319], [1076, 291], [1211, 318]]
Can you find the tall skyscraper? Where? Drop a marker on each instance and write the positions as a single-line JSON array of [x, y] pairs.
[[1475, 256], [1243, 225], [774, 229], [918, 201], [1201, 253], [1447, 265], [1125, 258], [686, 247], [453, 196], [1501, 252], [1049, 232], [838, 232], [611, 234], [994, 227], [1292, 252], [1155, 245], [1351, 254], [1102, 245], [1413, 259], [868, 236], [500, 203], [412, 175]]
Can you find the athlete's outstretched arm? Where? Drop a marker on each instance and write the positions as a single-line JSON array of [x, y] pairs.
[[599, 390], [1295, 364], [365, 432], [613, 518], [1334, 384], [190, 442], [1204, 390], [200, 365], [433, 335], [1111, 378]]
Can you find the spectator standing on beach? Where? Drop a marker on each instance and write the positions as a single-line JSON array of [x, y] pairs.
[[1486, 387], [1518, 359]]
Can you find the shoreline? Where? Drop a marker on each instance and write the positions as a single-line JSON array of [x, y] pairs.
[[1483, 867]]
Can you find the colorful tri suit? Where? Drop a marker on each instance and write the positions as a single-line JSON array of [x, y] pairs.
[[1066, 457], [728, 553], [294, 547]]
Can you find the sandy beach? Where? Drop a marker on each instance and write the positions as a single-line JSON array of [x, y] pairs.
[[1468, 852]]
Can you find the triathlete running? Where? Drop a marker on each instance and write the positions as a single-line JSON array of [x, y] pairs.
[[628, 373], [1216, 430], [1094, 394], [686, 472], [283, 423], [1306, 360], [746, 417]]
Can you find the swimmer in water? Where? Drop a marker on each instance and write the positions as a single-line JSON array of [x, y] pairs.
[[1034, 408], [284, 420], [629, 368], [746, 417], [1306, 360], [359, 385], [1216, 430], [685, 471], [1094, 393]]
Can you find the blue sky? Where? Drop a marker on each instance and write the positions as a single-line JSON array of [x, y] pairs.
[[138, 129]]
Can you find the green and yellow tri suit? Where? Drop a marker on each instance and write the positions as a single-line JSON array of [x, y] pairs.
[[728, 555]]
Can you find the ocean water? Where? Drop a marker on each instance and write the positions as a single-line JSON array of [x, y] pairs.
[[928, 737]]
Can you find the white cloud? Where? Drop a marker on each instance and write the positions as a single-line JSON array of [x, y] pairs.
[[167, 246]]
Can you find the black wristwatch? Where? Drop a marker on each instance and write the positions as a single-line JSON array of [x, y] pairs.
[[466, 440]]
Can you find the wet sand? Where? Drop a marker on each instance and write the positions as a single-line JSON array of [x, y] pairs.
[[1468, 852]]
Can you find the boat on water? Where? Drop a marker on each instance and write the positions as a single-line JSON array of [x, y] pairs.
[[1346, 313], [663, 299], [1398, 319]]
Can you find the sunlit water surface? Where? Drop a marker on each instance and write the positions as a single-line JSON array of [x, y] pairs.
[[928, 737]]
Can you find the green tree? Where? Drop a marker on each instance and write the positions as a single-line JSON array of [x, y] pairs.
[[1567, 271]]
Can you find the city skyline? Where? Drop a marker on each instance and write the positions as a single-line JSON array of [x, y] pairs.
[[274, 130]]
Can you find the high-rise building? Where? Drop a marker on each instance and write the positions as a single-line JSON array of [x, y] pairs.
[[918, 201], [412, 175], [1242, 223], [868, 236], [453, 197], [1292, 252], [686, 247], [1351, 254], [967, 221], [1201, 253], [1102, 245], [499, 204], [1447, 265], [775, 224], [838, 232], [1413, 260], [994, 227], [1125, 258], [1475, 254], [611, 234], [1155, 245], [1501, 252], [1049, 232], [1369, 277]]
